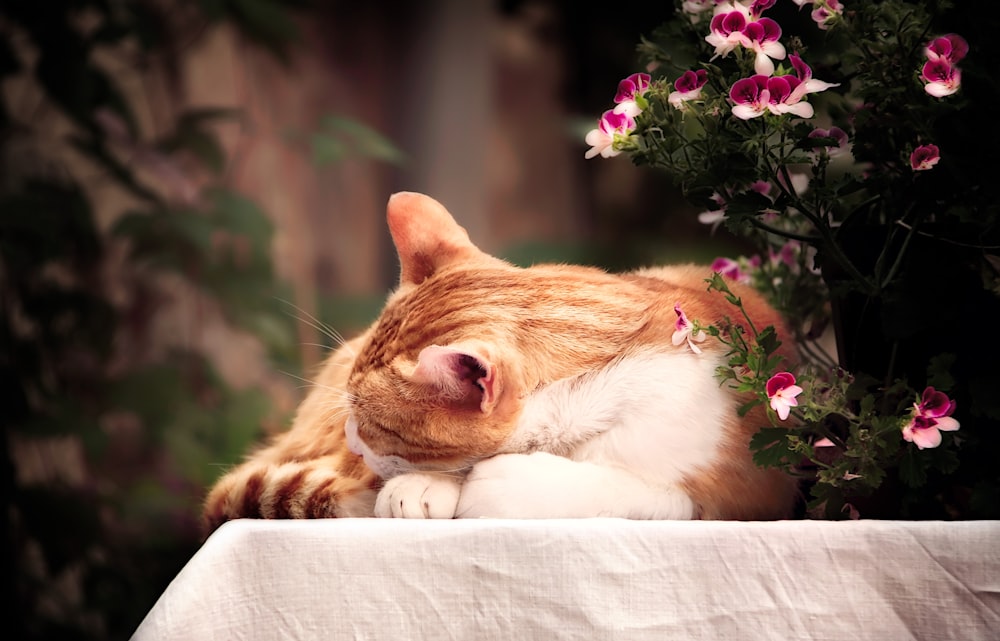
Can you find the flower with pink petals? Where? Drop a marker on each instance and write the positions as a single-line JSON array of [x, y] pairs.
[[757, 7], [610, 131], [925, 157], [751, 97], [684, 331], [759, 94], [787, 255], [826, 12], [786, 97], [729, 268], [714, 217], [805, 75], [782, 390], [941, 78], [761, 36], [727, 32], [631, 95], [934, 404], [835, 133], [931, 415], [950, 48], [687, 87]]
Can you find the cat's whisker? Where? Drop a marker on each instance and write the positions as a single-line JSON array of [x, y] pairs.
[[312, 321], [312, 383]]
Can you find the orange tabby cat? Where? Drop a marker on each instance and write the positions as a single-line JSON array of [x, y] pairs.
[[485, 389]]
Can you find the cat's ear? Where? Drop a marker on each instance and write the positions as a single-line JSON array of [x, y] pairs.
[[426, 236], [459, 374]]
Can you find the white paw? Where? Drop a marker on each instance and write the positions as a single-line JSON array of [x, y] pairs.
[[416, 495], [541, 485], [522, 486]]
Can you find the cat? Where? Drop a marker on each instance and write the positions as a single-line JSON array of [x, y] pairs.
[[489, 390]]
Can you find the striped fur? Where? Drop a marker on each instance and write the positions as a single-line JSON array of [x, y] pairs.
[[442, 378]]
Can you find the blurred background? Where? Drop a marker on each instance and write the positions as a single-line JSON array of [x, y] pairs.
[[191, 190]]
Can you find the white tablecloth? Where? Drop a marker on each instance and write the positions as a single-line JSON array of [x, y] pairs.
[[586, 579]]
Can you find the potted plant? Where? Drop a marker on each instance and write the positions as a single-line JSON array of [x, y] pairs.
[[845, 143]]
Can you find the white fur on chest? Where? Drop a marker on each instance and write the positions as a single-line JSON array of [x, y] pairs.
[[658, 414]]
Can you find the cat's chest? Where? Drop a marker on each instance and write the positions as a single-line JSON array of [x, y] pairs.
[[662, 414]]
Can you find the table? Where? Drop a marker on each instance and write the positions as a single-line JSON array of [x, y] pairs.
[[586, 579]]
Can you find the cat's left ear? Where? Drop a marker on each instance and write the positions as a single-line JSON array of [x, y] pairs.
[[426, 236], [460, 374]]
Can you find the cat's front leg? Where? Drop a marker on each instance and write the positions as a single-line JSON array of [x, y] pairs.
[[418, 495], [542, 485]]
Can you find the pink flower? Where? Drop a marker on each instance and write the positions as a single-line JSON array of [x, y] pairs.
[[760, 6], [826, 13], [683, 331], [941, 77], [931, 415], [935, 404], [727, 32], [782, 390], [787, 255], [761, 37], [924, 157], [714, 217], [950, 48], [610, 130], [730, 269], [805, 75], [837, 134], [751, 97], [687, 87], [759, 94], [630, 98]]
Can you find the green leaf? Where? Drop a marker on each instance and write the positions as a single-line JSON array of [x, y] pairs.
[[768, 340], [191, 134], [771, 447], [340, 137]]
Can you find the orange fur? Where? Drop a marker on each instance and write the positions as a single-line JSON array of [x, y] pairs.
[[509, 331]]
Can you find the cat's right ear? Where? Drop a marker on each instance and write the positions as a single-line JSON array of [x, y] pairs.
[[461, 374], [426, 236]]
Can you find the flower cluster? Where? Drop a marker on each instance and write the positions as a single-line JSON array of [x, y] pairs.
[[778, 95], [787, 160], [940, 73]]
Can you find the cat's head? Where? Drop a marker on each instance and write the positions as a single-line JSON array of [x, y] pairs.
[[438, 384]]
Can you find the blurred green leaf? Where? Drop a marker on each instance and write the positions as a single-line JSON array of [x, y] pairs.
[[267, 22], [339, 137], [191, 133]]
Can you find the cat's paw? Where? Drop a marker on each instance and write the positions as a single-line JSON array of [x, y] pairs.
[[541, 485], [511, 486], [418, 495]]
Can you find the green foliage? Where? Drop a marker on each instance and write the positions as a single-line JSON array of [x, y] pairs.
[[895, 261], [140, 432], [339, 137]]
